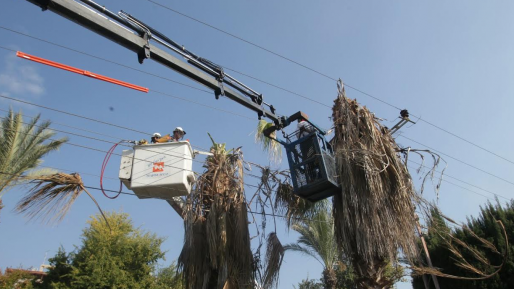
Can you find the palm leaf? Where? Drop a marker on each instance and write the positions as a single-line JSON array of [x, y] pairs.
[[273, 148], [22, 145], [52, 196]]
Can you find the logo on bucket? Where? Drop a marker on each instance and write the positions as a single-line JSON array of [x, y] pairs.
[[158, 167]]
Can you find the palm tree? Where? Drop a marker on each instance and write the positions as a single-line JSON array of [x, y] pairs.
[[216, 252], [374, 212], [318, 241], [22, 145]]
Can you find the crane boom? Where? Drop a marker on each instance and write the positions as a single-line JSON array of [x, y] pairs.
[[311, 158], [140, 44]]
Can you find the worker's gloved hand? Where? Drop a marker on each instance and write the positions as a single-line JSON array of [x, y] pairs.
[[163, 139]]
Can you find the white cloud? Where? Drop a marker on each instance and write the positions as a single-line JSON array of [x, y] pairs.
[[21, 79]]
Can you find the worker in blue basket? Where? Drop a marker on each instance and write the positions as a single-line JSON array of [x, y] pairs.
[[307, 150], [178, 134]]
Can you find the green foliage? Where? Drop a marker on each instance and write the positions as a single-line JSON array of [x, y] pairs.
[[120, 257], [485, 226], [318, 241], [22, 146], [309, 284], [273, 148], [18, 279], [168, 277]]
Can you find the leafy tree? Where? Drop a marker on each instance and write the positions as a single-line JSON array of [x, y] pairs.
[[485, 226], [119, 256], [309, 284], [18, 279], [59, 276], [168, 277], [22, 146]]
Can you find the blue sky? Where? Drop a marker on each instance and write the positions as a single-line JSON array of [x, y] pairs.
[[448, 62]]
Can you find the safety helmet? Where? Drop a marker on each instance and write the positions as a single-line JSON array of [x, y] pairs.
[[178, 128], [156, 134]]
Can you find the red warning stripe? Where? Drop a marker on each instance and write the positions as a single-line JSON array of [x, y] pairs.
[[80, 71]]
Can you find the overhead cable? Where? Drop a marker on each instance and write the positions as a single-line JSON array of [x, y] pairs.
[[326, 76]]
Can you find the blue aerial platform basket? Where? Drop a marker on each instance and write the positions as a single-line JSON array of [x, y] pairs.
[[312, 166]]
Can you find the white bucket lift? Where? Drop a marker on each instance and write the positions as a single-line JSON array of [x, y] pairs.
[[158, 170]]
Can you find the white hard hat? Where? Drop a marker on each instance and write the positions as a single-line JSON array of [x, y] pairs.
[[156, 134], [178, 128]]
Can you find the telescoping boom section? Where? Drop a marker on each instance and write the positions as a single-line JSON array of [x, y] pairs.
[[310, 157]]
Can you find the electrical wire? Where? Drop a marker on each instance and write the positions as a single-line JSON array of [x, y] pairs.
[[460, 161], [225, 111], [242, 39], [102, 151], [96, 139], [457, 179], [326, 76], [99, 58], [102, 171], [262, 81], [159, 198]]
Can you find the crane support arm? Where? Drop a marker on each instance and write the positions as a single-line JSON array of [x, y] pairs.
[[93, 21]]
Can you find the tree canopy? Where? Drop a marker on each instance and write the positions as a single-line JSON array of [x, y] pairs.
[[121, 256], [484, 226]]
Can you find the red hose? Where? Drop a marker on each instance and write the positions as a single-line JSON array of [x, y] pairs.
[[104, 165]]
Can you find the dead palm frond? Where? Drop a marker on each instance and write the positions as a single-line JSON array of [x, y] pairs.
[[52, 196], [464, 254], [216, 250], [374, 211], [274, 256], [273, 148]]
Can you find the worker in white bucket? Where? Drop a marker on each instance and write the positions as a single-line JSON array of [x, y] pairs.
[[155, 137], [178, 134]]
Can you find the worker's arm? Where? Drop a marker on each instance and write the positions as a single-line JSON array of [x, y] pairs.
[[164, 139]]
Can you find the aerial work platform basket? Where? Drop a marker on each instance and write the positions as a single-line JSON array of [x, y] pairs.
[[158, 170], [312, 165]]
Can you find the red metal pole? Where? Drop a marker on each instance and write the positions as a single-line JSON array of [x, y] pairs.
[[80, 71]]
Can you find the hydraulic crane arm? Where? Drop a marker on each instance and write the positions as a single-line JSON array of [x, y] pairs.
[[139, 42]]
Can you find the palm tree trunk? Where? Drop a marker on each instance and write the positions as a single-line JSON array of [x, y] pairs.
[[329, 278], [370, 275]]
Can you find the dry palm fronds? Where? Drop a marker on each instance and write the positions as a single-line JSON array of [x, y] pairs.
[[52, 196], [457, 248], [217, 251], [374, 212], [274, 256], [273, 148]]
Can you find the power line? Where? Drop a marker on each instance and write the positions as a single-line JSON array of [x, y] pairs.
[[88, 137], [324, 75], [111, 142], [98, 57], [73, 114], [74, 127], [151, 74], [242, 39], [278, 87], [460, 161], [160, 198], [225, 111], [102, 151], [457, 179], [239, 72], [465, 140], [79, 116]]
